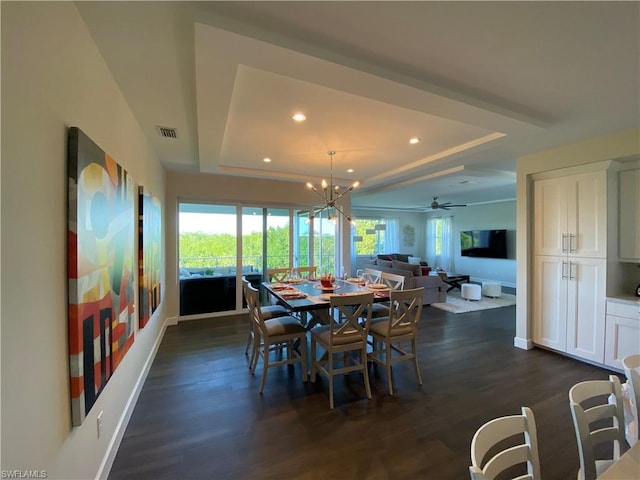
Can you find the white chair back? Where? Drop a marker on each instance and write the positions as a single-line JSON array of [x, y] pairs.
[[277, 274], [496, 431], [631, 364], [604, 400], [392, 280], [371, 275]]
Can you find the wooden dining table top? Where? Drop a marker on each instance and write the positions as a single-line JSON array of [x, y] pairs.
[[313, 290], [627, 467]]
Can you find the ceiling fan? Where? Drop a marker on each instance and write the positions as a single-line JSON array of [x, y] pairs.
[[443, 206]]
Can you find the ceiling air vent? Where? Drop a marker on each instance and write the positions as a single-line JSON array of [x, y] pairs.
[[167, 132]]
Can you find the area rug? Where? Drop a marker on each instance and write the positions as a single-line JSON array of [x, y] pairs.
[[456, 304]]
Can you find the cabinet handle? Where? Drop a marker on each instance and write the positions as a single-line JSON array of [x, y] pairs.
[[564, 242], [563, 274], [572, 237], [571, 275]]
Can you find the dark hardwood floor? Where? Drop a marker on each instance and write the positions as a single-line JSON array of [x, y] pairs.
[[199, 415]]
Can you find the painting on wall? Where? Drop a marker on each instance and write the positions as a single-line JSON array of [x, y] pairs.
[[149, 254], [100, 270]]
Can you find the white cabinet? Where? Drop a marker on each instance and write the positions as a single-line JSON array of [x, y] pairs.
[[570, 242], [629, 215], [622, 332], [569, 305], [570, 215]]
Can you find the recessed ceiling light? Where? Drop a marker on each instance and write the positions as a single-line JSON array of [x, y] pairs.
[[350, 170], [299, 117], [414, 140], [266, 160]]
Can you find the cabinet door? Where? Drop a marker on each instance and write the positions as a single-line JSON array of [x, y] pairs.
[[622, 339], [587, 214], [629, 216], [550, 217], [586, 308], [550, 302]]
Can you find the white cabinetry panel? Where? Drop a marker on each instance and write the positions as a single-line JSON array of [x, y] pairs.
[[629, 215]]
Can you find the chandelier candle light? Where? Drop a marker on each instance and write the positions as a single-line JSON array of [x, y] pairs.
[[330, 195]]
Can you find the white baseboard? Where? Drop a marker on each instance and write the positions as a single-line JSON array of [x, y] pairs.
[[116, 439], [523, 343]]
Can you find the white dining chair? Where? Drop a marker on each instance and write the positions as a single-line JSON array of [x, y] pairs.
[[268, 312], [345, 336], [593, 402], [276, 334], [399, 327], [491, 437], [631, 365]]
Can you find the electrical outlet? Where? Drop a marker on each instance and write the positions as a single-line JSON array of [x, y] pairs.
[[100, 423]]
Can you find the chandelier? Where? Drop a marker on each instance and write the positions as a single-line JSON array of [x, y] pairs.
[[330, 194]]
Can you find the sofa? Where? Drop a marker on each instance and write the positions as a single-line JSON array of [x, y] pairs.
[[435, 290]]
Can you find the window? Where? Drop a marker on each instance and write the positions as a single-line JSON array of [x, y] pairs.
[[372, 236], [222, 242], [439, 243]]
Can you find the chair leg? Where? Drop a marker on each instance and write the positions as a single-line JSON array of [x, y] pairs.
[[387, 359], [365, 370], [303, 354], [265, 367], [249, 341], [330, 368], [313, 360], [415, 360], [254, 354]]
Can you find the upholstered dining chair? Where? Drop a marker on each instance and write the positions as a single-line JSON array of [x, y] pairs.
[[593, 402], [307, 272], [276, 334], [392, 281], [631, 365], [372, 275], [345, 335], [399, 327], [268, 312], [277, 274], [491, 437]]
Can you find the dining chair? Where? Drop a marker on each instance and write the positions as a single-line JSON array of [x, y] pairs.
[[631, 364], [308, 272], [392, 281], [400, 326], [268, 312], [492, 437], [277, 274], [372, 275], [598, 401], [276, 334], [345, 335]]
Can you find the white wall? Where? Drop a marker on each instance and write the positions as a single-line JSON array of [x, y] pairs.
[[614, 146], [53, 77], [492, 216]]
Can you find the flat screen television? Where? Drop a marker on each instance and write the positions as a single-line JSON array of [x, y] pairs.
[[483, 243]]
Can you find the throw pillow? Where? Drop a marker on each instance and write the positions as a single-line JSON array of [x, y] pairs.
[[415, 269], [385, 263], [414, 260]]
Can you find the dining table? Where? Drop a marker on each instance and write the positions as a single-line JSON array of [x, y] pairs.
[[627, 467], [311, 300]]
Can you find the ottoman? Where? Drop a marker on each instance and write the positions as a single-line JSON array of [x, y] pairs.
[[471, 291], [491, 289]]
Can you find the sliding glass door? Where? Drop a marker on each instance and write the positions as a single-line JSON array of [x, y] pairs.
[[218, 244]]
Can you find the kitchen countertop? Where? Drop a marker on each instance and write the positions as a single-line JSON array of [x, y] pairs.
[[626, 299]]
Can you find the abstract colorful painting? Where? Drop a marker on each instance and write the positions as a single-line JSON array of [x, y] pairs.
[[149, 254], [101, 269]]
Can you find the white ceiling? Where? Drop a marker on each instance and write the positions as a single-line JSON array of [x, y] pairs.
[[480, 83]]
